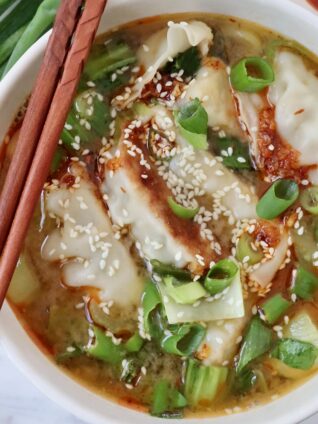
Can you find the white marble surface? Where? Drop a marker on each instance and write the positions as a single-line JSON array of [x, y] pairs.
[[22, 403]]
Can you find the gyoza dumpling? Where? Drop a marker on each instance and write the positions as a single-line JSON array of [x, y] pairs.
[[295, 97], [85, 243], [211, 86], [166, 44]]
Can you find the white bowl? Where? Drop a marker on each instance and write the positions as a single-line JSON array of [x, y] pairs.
[[282, 16]]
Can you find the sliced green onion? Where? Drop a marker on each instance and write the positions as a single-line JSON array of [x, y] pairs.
[[184, 293], [135, 343], [7, 47], [160, 402], [242, 78], [275, 307], [305, 284], [130, 370], [104, 348], [239, 157], [202, 383], [184, 340], [309, 200], [245, 250], [220, 276], [279, 197], [181, 211], [57, 159], [193, 122], [295, 354], [150, 301], [256, 342], [166, 269]]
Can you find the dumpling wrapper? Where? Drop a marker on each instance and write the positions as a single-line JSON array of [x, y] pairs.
[[168, 43], [295, 96], [266, 272], [228, 306], [221, 340], [211, 86], [105, 263]]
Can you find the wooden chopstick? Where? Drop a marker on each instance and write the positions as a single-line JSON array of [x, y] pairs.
[[62, 100], [45, 86]]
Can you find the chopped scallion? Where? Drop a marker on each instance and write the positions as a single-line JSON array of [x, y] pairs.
[[279, 197], [193, 123], [309, 200], [150, 301], [244, 249], [163, 269], [104, 349], [305, 284], [184, 340], [184, 293], [275, 307], [251, 74], [181, 211], [221, 276]]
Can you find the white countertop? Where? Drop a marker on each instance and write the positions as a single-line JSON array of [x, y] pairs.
[[22, 403]]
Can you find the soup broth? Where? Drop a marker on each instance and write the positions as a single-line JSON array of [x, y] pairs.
[[171, 264]]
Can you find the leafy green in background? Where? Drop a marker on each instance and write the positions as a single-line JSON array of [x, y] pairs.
[[23, 26]]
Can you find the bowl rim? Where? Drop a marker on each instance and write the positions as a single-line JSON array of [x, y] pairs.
[[26, 355]]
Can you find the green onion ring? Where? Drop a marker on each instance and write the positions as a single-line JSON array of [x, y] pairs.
[[184, 293], [181, 211], [220, 276], [241, 80], [279, 197]]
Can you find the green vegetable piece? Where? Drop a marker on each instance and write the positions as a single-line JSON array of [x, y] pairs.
[[221, 276], [57, 159], [188, 61], [17, 18], [150, 301], [306, 243], [244, 381], [256, 342], [295, 354], [166, 400], [130, 370], [107, 59], [279, 197], [185, 340], [41, 22], [181, 211], [135, 343], [4, 5], [7, 47], [202, 383], [184, 293], [104, 349], [275, 307], [193, 122], [305, 284], [91, 106], [244, 250], [309, 200], [251, 75], [166, 269], [302, 327], [239, 157]]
